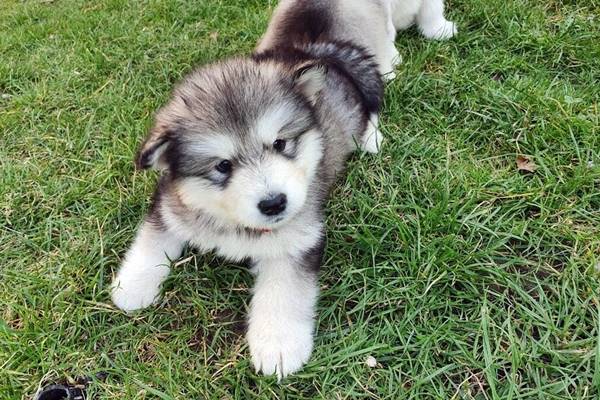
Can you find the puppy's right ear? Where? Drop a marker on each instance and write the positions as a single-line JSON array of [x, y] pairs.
[[151, 154], [310, 77]]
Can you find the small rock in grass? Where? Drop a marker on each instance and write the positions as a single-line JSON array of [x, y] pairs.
[[371, 362]]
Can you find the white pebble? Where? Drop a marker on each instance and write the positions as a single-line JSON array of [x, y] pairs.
[[371, 362]]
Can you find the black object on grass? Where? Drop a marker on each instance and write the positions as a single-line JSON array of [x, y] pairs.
[[61, 392], [68, 391]]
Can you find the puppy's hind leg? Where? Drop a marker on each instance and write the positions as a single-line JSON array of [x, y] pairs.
[[146, 266], [392, 57], [392, 60], [432, 23], [372, 138]]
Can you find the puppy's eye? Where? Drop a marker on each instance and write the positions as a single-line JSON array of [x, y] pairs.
[[224, 167], [279, 145]]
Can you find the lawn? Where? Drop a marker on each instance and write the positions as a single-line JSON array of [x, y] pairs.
[[464, 277]]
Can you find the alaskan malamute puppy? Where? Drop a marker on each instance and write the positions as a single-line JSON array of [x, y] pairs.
[[249, 149]]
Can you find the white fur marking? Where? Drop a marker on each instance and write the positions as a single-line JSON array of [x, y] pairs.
[[212, 145], [271, 122]]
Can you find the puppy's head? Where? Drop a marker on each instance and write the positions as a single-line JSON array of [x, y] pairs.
[[240, 140]]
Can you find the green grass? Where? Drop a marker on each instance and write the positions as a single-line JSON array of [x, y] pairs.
[[464, 278]]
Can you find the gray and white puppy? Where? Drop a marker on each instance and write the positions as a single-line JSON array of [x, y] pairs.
[[249, 149]]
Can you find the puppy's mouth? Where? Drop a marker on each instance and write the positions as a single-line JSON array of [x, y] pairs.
[[259, 231], [265, 230]]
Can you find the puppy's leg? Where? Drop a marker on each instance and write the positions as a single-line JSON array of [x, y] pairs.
[[281, 318], [404, 13], [146, 266], [392, 60], [432, 23], [392, 56], [372, 138]]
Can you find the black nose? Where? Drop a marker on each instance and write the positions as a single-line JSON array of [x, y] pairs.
[[273, 205]]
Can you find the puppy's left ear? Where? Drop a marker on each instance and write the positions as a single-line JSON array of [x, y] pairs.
[[311, 78]]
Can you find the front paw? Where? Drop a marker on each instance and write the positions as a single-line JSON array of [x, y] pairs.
[[280, 349], [132, 299], [441, 30], [131, 292]]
